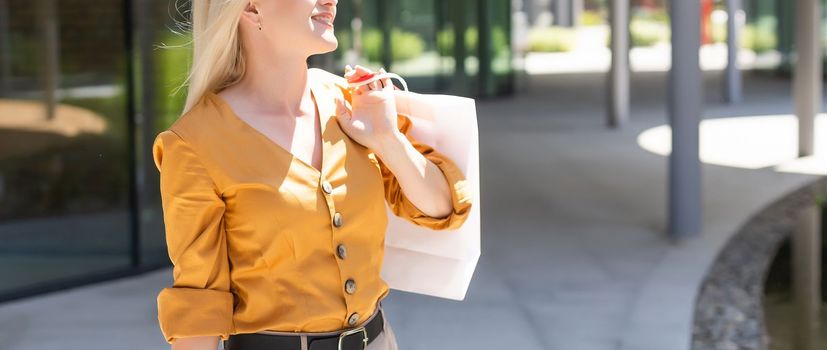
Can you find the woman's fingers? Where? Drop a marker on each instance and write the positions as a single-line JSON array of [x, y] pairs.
[[361, 72], [364, 71], [387, 85], [357, 72], [349, 73]]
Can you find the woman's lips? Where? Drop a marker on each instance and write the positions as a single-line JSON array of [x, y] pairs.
[[324, 18]]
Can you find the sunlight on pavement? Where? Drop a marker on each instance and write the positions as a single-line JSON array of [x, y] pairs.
[[749, 142], [641, 59]]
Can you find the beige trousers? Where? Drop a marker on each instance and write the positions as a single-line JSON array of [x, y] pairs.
[[386, 340]]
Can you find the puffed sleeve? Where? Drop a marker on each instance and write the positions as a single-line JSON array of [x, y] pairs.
[[460, 191], [199, 302]]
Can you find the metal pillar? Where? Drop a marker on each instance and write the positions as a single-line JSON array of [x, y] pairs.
[[807, 278], [733, 85], [484, 49], [685, 105], [618, 113], [356, 30], [460, 84], [576, 8], [807, 79], [5, 50], [385, 23], [562, 13], [47, 17], [139, 27]]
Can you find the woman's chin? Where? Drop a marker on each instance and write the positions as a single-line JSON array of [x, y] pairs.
[[329, 44]]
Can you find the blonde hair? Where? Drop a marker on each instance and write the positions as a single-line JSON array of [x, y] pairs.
[[217, 54]]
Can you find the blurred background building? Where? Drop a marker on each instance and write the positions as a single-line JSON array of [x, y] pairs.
[[86, 85]]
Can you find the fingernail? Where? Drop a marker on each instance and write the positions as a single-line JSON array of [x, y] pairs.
[[347, 68]]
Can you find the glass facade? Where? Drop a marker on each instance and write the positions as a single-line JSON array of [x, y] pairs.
[[437, 46], [86, 85], [771, 26], [65, 164]]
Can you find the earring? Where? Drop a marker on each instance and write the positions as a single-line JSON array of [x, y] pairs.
[[259, 22]]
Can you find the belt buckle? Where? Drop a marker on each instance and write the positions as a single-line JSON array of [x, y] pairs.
[[354, 331]]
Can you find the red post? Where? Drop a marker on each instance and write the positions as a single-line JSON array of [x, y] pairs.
[[706, 14]]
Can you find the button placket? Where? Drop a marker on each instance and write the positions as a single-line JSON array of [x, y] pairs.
[[327, 189], [337, 222]]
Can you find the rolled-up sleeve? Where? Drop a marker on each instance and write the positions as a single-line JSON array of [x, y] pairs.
[[199, 302], [459, 187]]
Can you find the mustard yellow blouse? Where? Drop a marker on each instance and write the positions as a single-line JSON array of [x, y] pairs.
[[261, 240]]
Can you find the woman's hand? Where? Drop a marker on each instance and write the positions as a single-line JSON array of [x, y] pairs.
[[373, 123], [373, 118]]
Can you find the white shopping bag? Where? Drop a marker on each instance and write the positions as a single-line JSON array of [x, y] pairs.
[[436, 262]]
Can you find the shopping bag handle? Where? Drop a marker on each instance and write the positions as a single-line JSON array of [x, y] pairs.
[[367, 79]]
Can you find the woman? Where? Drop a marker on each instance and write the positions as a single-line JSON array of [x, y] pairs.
[[274, 184]]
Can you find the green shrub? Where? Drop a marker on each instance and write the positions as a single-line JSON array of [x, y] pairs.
[[648, 32], [718, 32], [499, 40], [551, 39], [591, 18], [758, 39], [445, 40], [760, 36], [655, 14], [404, 45]]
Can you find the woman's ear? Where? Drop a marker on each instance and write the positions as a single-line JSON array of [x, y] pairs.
[[251, 15]]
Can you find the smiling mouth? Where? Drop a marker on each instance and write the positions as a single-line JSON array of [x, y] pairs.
[[325, 18]]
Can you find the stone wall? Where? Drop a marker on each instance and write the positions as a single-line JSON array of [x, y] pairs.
[[729, 311]]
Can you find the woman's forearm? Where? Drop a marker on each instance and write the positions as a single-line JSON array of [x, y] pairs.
[[421, 180]]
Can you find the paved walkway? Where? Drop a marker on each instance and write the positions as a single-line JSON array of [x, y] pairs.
[[574, 251]]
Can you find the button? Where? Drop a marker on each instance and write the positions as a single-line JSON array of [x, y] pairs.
[[327, 187], [354, 317], [337, 219], [341, 251], [350, 286]]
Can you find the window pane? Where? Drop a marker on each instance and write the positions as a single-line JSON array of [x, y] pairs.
[[64, 163]]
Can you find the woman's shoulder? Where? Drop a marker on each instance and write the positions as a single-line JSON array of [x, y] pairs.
[[201, 117], [198, 127], [326, 78]]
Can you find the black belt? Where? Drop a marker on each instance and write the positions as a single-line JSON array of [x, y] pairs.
[[356, 338]]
